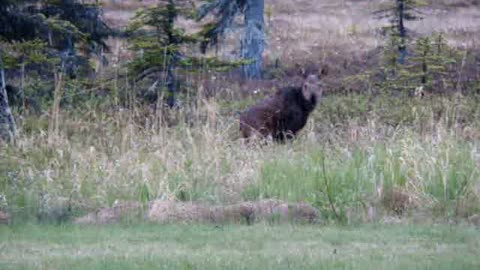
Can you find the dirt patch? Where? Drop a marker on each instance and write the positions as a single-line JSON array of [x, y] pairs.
[[171, 211], [245, 212], [162, 211], [116, 213]]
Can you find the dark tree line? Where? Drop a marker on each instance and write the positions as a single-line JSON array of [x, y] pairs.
[[58, 36], [165, 49], [46, 32]]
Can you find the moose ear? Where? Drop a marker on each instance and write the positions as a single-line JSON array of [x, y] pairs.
[[303, 72], [306, 90], [300, 70], [324, 71]]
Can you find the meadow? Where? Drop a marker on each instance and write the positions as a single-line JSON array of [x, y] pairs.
[[392, 155], [393, 174]]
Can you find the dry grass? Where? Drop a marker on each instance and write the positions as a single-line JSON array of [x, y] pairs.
[[343, 35], [300, 27], [300, 30], [98, 158]]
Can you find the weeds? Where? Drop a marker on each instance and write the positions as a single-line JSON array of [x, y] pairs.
[[338, 163]]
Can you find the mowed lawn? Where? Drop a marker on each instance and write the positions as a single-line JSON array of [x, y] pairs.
[[149, 246]]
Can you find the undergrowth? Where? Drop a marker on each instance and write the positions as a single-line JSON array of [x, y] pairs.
[[357, 152]]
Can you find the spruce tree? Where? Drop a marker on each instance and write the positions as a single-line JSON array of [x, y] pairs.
[[11, 18], [163, 48], [158, 41], [86, 29], [431, 62], [429, 65], [398, 12], [58, 25]]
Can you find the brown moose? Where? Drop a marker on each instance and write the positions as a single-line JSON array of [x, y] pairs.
[[283, 114]]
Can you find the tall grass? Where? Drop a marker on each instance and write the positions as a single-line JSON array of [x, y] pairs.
[[348, 157], [435, 175]]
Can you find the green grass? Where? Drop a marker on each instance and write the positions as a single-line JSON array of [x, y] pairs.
[[441, 175], [148, 246]]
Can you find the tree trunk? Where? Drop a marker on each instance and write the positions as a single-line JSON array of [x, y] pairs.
[[8, 128], [254, 40], [22, 85], [170, 83], [402, 31], [424, 68], [173, 58]]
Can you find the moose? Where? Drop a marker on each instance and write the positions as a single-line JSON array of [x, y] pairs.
[[283, 114]]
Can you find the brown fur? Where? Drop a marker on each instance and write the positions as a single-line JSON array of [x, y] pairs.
[[283, 114]]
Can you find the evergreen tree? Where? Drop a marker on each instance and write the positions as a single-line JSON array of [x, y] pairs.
[[87, 29], [11, 18], [163, 48], [158, 41], [253, 43], [398, 12], [59, 25], [431, 61], [63, 24], [22, 55]]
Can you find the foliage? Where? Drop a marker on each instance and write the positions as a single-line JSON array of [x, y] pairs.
[[425, 147], [430, 64], [26, 53], [62, 26], [85, 17], [164, 48], [17, 23], [444, 177], [156, 38], [60, 23], [398, 12], [432, 61], [225, 12]]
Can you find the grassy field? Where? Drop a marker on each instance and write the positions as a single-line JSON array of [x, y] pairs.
[[369, 156], [351, 155], [239, 247]]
